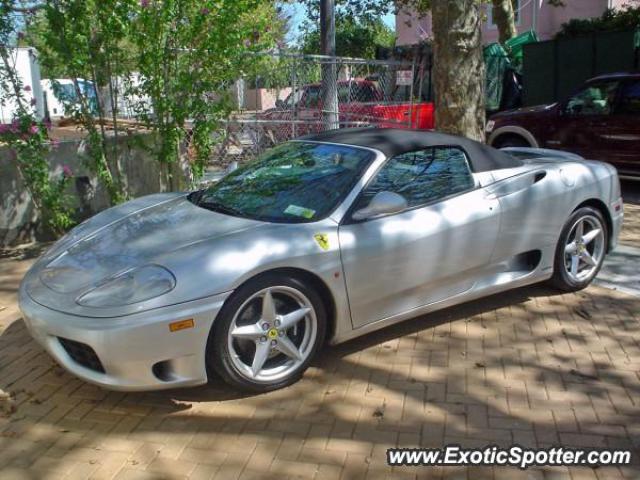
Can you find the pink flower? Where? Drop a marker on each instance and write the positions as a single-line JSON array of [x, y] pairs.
[[66, 171], [33, 130], [205, 11], [27, 88], [4, 128], [144, 3]]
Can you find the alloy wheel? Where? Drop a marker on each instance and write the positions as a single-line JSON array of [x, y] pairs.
[[584, 250], [272, 334]]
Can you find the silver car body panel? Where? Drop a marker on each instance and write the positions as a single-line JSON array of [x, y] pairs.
[[378, 272]]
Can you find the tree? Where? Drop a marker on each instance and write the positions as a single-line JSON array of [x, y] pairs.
[[26, 137], [458, 70], [353, 38], [188, 52], [504, 18], [87, 36]]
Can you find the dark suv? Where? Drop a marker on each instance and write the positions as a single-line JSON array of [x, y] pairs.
[[601, 121]]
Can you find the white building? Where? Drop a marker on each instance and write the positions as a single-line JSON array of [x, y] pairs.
[[60, 96], [25, 62]]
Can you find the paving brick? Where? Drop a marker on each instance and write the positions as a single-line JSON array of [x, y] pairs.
[[499, 370]]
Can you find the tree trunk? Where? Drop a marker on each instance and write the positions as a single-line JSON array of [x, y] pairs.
[[505, 19], [458, 68]]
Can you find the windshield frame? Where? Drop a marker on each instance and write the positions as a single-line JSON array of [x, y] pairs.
[[344, 200], [376, 164]]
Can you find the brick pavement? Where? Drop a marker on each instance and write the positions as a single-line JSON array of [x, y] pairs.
[[531, 367], [630, 234]]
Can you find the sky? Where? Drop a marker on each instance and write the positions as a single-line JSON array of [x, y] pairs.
[[297, 12]]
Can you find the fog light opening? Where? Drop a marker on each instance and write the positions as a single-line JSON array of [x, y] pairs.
[[163, 371]]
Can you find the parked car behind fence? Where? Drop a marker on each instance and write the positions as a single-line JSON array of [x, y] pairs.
[[378, 93]]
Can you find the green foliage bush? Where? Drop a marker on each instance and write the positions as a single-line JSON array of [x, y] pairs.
[[627, 18]]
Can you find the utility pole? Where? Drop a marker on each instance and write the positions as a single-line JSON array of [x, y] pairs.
[[329, 65]]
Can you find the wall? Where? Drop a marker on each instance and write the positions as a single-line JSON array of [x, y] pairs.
[[18, 218], [536, 15]]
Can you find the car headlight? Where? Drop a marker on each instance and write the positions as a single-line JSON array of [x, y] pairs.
[[133, 286], [490, 125]]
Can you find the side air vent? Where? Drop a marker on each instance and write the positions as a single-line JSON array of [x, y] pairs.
[[515, 184], [526, 261], [539, 176]]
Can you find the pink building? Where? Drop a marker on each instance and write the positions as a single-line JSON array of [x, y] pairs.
[[535, 15]]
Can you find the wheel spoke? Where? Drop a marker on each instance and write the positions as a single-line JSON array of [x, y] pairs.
[[588, 238], [571, 248], [262, 353], [579, 230], [268, 307], [251, 332], [587, 258], [286, 346], [575, 261], [290, 319]]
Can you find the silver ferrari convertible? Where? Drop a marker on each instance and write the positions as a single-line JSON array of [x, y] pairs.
[[323, 238]]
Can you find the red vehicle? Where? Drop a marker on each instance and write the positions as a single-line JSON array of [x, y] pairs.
[[360, 102], [601, 121]]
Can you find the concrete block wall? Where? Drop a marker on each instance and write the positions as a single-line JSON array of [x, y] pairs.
[[18, 217]]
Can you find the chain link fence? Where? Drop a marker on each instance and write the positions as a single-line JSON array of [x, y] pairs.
[[284, 96], [281, 96]]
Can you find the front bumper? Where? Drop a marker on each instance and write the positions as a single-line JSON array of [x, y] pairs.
[[136, 352]]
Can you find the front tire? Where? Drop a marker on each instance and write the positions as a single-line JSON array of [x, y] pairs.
[[580, 251], [267, 333]]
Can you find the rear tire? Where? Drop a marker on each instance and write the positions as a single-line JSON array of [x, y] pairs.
[[580, 251], [267, 333]]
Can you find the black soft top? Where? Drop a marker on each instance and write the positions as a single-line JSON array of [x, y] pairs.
[[395, 141]]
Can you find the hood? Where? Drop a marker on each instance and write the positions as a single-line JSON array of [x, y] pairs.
[[537, 109], [143, 236]]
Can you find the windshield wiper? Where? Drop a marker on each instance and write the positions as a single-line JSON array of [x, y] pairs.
[[219, 207]]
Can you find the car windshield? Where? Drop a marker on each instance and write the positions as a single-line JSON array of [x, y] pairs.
[[293, 183]]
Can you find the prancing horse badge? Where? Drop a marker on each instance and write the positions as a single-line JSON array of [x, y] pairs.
[[323, 240]]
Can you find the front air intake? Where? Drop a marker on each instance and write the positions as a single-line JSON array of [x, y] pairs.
[[82, 354]]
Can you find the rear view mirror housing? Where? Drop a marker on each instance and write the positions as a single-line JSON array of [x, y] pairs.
[[383, 203]]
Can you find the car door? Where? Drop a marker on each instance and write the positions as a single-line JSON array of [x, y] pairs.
[[585, 120], [623, 137], [434, 249]]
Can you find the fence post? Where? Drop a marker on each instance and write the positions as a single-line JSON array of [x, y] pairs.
[[413, 82], [294, 102]]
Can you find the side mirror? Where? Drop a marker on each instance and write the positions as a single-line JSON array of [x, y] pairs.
[[383, 203]]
